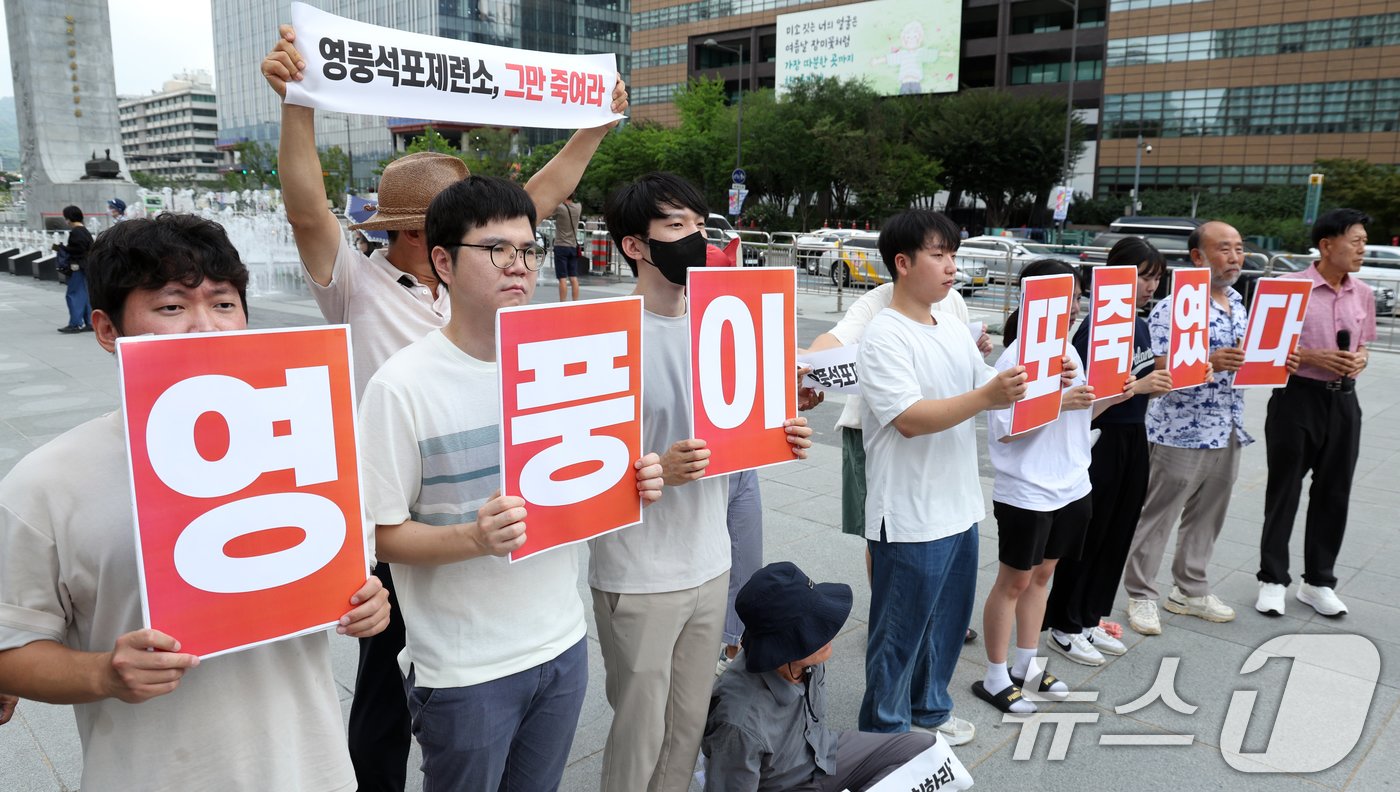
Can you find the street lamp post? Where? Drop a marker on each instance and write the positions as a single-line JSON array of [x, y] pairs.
[[1069, 101], [1142, 148], [739, 105]]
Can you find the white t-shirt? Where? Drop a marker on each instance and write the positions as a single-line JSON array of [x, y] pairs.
[[849, 330], [924, 487], [368, 293], [1047, 468], [430, 422], [682, 540], [263, 718]]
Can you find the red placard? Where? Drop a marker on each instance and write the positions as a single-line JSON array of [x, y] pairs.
[[743, 359], [1275, 325], [1189, 352], [571, 417], [1044, 335], [244, 476], [1112, 307]]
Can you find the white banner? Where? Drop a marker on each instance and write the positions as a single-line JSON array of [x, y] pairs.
[[352, 67], [832, 369], [935, 769]]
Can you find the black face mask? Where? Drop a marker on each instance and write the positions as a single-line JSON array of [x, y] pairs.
[[674, 258]]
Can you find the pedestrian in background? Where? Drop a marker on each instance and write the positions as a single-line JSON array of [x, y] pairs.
[[70, 260]]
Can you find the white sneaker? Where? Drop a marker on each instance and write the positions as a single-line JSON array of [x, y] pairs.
[[1208, 607], [1077, 648], [1271, 598], [1322, 599], [1142, 616], [1105, 643], [955, 730]]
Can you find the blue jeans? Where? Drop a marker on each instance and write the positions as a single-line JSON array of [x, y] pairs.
[[512, 733], [77, 297], [921, 596]]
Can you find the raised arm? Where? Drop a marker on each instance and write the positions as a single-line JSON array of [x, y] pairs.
[[558, 178], [315, 229]]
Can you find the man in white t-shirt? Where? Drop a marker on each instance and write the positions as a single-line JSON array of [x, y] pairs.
[[498, 649], [659, 587], [845, 333], [150, 717], [923, 381], [390, 299]]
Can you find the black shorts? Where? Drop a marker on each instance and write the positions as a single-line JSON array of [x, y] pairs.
[[1025, 537], [566, 262]]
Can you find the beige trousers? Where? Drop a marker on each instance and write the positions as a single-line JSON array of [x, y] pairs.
[[659, 653], [1193, 484]]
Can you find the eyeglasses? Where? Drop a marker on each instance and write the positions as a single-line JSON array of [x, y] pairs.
[[503, 254]]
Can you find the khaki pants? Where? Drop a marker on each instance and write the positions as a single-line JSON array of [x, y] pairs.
[[1193, 484], [659, 652]]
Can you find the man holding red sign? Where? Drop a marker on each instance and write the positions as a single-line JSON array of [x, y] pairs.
[[1196, 434], [659, 587], [499, 648], [1314, 422], [390, 299], [150, 717]]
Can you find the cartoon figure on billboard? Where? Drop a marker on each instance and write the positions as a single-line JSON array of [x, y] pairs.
[[908, 57]]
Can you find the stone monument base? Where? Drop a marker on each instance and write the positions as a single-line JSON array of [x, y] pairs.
[[44, 202]]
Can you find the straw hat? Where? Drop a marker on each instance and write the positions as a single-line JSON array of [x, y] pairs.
[[407, 186]]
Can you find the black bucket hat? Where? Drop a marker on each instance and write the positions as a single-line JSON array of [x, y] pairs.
[[788, 617]]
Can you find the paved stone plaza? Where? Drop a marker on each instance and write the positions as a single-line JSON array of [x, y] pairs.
[[51, 382]]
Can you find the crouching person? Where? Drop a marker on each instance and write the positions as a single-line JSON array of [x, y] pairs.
[[767, 725]]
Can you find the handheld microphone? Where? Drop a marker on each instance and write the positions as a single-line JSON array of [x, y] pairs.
[[1344, 344]]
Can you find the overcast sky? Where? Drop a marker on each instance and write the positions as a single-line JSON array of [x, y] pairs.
[[151, 41]]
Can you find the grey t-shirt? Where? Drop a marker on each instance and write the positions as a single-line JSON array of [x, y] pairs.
[[682, 540], [264, 718]]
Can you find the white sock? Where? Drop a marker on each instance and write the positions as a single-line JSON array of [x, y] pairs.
[[1020, 661], [997, 680], [1062, 637]]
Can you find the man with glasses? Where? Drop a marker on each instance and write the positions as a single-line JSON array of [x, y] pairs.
[[390, 299], [1314, 422], [497, 655]]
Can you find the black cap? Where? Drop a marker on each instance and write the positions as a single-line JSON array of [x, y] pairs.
[[787, 616]]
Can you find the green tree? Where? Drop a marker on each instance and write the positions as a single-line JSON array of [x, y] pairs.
[[1373, 188], [1006, 150], [430, 140], [335, 171], [489, 151]]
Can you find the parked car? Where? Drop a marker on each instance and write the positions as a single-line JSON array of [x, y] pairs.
[[991, 252], [808, 249], [857, 260]]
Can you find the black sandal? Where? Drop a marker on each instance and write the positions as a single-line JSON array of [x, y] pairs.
[[1002, 700], [970, 636], [1047, 680]]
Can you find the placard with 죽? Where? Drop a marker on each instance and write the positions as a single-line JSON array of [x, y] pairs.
[[1112, 309], [245, 482]]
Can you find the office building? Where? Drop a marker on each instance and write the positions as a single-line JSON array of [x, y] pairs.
[[171, 133], [245, 30], [1242, 93], [1019, 46]]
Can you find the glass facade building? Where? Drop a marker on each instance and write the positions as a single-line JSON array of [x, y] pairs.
[[1244, 93], [245, 30]]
